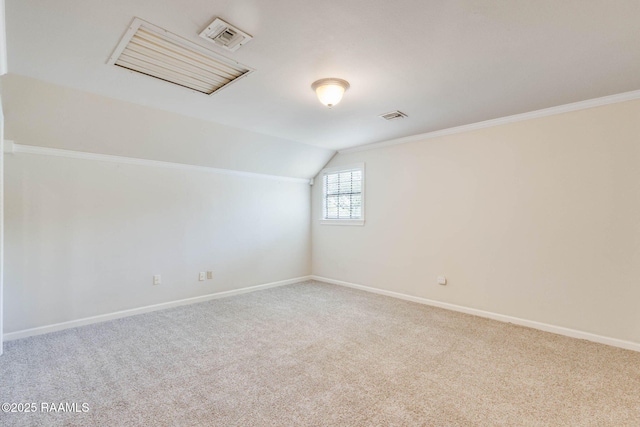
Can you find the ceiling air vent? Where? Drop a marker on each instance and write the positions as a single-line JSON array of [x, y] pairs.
[[394, 115], [225, 35], [155, 52]]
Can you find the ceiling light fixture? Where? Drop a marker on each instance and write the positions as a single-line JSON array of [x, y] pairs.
[[330, 90]]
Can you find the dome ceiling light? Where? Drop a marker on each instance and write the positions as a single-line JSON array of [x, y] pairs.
[[330, 90]]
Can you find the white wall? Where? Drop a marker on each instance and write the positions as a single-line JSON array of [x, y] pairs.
[[538, 220], [3, 70], [84, 237], [3, 40], [1, 224]]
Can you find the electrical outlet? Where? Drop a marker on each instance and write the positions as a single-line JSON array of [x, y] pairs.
[[442, 280], [157, 279], [209, 274], [201, 276]]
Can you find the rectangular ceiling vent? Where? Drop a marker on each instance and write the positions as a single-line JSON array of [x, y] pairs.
[[155, 52], [394, 115], [225, 35]]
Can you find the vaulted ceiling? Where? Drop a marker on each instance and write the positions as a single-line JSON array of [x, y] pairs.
[[444, 63]]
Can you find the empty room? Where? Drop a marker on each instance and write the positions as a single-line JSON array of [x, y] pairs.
[[328, 213]]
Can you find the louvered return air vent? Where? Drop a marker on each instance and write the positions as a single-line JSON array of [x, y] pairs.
[[225, 35], [394, 115], [155, 52]]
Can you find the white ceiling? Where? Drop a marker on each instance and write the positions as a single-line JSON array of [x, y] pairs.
[[444, 63]]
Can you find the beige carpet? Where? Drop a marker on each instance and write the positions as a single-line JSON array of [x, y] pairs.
[[314, 354]]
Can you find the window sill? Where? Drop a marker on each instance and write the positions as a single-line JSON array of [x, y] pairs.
[[342, 222]]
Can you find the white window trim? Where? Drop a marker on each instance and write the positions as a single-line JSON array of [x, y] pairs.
[[335, 169]]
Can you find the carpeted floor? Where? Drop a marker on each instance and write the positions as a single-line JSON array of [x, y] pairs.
[[314, 354]]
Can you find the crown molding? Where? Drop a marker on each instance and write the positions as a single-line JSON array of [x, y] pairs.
[[566, 108], [57, 152]]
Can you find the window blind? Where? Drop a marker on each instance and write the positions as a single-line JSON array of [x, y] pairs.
[[343, 194]]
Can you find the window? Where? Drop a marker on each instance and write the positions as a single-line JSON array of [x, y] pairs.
[[343, 195]]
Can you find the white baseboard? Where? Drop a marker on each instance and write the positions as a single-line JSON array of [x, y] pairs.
[[573, 333], [140, 310]]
